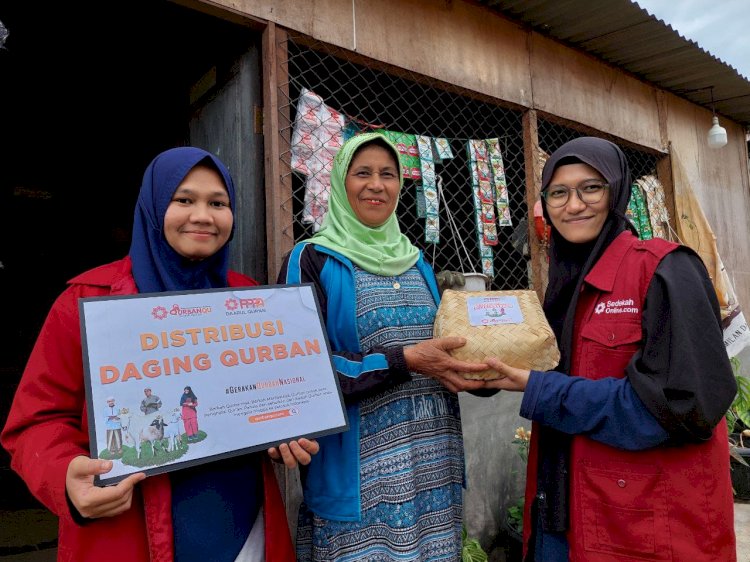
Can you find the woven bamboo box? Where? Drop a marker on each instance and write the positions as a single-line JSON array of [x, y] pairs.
[[509, 325]]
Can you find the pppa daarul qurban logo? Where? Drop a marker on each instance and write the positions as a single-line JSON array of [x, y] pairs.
[[234, 306]]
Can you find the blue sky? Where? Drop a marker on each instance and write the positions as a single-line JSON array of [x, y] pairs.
[[721, 27]]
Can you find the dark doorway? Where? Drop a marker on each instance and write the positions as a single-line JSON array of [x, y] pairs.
[[89, 94]]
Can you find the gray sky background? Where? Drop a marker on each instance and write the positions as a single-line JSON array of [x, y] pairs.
[[721, 27]]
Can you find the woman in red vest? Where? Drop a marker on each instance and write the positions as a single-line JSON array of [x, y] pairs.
[[226, 510], [629, 457], [189, 403]]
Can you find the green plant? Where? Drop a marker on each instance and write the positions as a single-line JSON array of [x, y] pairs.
[[739, 410], [514, 513], [471, 550], [522, 438], [738, 414]]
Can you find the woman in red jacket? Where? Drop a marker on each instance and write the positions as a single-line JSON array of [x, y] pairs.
[[183, 221], [629, 458]]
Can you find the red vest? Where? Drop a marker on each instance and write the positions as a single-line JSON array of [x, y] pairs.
[[665, 503]]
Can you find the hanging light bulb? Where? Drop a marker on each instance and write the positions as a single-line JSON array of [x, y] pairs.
[[717, 135]]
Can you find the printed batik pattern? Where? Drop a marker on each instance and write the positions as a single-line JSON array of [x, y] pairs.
[[411, 453]]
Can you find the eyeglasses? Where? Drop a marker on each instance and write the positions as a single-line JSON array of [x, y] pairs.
[[558, 195]]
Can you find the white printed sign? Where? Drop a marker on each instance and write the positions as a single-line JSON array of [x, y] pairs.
[[736, 333], [493, 311], [181, 378]]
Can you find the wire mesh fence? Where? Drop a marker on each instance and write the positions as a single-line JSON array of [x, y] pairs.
[[552, 136], [464, 196], [345, 97]]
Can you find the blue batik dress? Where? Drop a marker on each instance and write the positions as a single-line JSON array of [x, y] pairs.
[[411, 448]]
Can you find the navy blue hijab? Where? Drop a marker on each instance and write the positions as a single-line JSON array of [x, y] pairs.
[[156, 266], [221, 499]]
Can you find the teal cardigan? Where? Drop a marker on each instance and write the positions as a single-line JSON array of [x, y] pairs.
[[331, 482]]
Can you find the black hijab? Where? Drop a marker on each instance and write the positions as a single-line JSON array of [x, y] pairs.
[[569, 263], [191, 395]]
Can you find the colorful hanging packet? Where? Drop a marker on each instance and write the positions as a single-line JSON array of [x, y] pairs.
[[498, 182], [424, 156], [351, 129], [408, 151], [442, 149], [317, 136], [656, 204], [486, 255], [482, 175], [638, 213], [428, 190], [631, 212]]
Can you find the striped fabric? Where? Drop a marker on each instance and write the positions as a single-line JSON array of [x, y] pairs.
[[411, 446]]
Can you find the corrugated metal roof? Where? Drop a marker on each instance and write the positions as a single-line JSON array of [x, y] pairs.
[[622, 33]]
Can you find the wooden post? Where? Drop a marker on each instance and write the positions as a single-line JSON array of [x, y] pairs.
[[664, 173], [533, 167], [276, 133], [664, 163], [278, 189]]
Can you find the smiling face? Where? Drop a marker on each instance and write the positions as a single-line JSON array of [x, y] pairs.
[[198, 221], [373, 184], [577, 221]]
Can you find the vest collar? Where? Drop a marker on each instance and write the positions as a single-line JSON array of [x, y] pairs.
[[602, 275]]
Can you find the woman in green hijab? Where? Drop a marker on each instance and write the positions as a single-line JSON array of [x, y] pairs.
[[391, 486]]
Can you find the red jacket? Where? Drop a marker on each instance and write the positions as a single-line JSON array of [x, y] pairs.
[[47, 427], [664, 503]]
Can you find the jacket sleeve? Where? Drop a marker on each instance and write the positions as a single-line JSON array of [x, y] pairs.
[[678, 385], [599, 409], [682, 373], [359, 374], [46, 427]]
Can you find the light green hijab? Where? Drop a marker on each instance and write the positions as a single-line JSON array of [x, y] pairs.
[[382, 250]]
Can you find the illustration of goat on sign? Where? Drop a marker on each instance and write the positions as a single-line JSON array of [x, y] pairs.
[[172, 430], [138, 429], [157, 437]]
